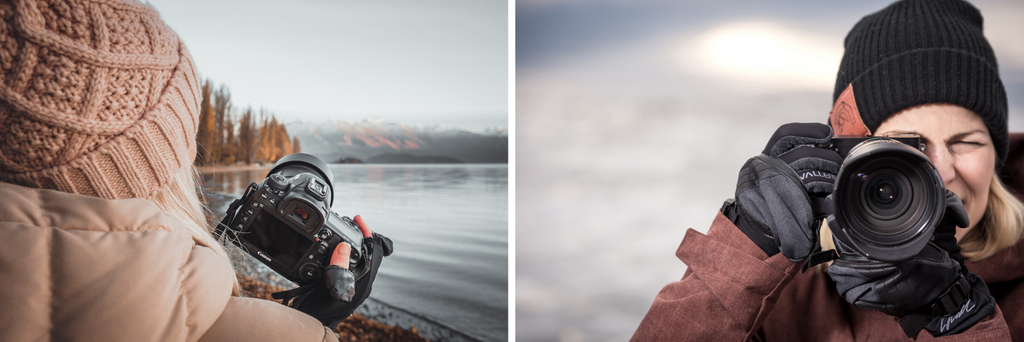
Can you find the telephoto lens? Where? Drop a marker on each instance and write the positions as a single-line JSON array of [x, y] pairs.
[[888, 198]]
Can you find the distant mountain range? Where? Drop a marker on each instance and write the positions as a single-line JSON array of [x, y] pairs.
[[374, 140]]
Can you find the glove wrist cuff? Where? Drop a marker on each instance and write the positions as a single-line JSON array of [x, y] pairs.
[[948, 303], [730, 212], [767, 244]]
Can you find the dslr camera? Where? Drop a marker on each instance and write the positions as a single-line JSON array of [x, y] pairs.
[[888, 196], [286, 221]]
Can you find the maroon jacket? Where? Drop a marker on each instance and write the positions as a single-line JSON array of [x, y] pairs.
[[733, 291]]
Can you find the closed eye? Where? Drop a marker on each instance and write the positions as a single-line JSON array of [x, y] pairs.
[[968, 142], [965, 146]]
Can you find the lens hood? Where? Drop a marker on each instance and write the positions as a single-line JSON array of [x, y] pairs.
[[303, 162], [887, 200]]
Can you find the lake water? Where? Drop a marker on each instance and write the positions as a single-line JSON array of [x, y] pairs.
[[449, 224]]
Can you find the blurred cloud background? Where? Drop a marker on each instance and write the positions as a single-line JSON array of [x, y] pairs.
[[632, 120]]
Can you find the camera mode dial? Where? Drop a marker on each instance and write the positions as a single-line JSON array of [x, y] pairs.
[[277, 181]]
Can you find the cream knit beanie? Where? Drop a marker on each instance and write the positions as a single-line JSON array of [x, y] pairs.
[[98, 97]]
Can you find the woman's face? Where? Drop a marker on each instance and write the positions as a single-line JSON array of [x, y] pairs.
[[958, 143]]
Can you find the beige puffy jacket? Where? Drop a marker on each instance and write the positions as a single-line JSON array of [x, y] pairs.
[[80, 268]]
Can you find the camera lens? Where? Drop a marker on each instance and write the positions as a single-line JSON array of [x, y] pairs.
[[887, 199], [886, 194], [878, 202]]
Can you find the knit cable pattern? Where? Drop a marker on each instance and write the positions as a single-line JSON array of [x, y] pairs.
[[98, 97]]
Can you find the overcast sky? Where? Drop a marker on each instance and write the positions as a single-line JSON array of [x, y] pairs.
[[429, 62], [727, 47]]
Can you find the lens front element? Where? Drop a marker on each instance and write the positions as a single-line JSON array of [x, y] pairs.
[[883, 196], [886, 195], [888, 198]]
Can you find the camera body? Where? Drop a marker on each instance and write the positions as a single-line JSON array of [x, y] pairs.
[[286, 222], [888, 196], [845, 144]]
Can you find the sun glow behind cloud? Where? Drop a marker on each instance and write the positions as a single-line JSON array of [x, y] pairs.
[[763, 54]]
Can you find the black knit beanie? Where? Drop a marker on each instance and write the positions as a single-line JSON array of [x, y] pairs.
[[917, 52]]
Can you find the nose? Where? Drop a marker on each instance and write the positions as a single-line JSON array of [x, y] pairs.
[[940, 156]]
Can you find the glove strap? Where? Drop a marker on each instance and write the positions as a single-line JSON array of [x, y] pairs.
[[947, 303], [954, 297], [818, 258]]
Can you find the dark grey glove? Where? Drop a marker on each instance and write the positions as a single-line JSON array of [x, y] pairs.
[[330, 302], [779, 194], [932, 290]]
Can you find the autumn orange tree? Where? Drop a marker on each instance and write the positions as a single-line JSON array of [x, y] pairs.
[[248, 135], [204, 137], [225, 139]]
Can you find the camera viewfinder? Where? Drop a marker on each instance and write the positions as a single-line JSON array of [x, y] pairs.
[[302, 215]]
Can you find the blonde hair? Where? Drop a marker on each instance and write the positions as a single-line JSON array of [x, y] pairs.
[[181, 198], [1001, 226]]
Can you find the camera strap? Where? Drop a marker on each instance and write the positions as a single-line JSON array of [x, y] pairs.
[[287, 296], [233, 209]]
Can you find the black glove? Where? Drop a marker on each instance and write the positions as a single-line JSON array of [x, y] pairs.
[[931, 290], [327, 301], [780, 193]]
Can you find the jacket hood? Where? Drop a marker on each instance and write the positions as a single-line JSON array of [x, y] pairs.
[[79, 267]]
